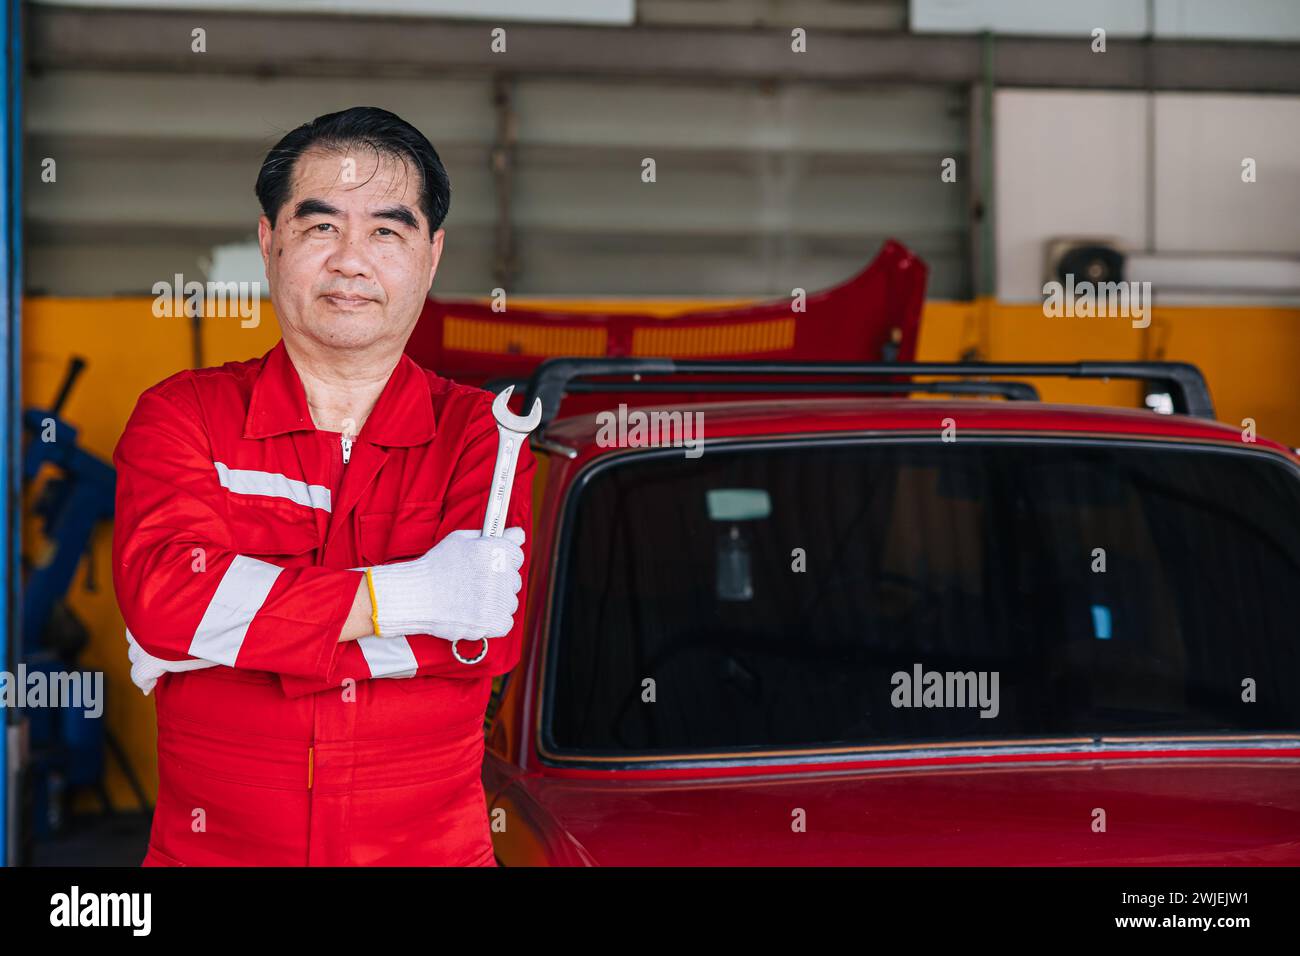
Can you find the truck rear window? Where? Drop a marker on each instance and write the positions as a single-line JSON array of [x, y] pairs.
[[810, 595]]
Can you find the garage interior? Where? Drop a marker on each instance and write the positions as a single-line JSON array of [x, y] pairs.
[[989, 138]]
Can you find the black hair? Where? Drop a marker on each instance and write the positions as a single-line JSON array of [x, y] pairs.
[[384, 132]]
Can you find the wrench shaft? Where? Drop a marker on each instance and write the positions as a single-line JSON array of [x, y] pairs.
[[512, 430], [503, 479]]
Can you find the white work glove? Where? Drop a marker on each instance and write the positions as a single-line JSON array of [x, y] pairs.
[[146, 669], [464, 588]]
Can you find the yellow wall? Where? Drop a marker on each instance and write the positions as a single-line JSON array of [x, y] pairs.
[[127, 349], [1249, 356]]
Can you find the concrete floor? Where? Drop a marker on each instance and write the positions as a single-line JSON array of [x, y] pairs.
[[117, 840]]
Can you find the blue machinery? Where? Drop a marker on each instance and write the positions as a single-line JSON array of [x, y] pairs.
[[65, 744], [59, 746]]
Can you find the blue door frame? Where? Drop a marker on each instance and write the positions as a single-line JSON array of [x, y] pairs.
[[10, 383]]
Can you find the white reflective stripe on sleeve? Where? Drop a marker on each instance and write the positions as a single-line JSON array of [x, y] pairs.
[[389, 656], [240, 595], [242, 481]]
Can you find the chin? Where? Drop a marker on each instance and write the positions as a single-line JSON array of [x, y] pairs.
[[349, 333]]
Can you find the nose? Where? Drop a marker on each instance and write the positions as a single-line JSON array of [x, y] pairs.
[[348, 257]]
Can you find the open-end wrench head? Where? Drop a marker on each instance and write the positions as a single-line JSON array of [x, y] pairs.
[[523, 424]]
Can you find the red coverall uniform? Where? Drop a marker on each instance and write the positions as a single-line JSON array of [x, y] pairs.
[[237, 523]]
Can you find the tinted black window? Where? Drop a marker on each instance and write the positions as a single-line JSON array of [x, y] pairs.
[[964, 558]]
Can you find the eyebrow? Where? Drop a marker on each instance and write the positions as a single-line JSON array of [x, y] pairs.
[[319, 207], [314, 207], [398, 213]]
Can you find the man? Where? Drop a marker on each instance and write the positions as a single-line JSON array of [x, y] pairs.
[[297, 549]]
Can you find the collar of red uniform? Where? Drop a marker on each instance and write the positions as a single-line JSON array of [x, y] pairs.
[[402, 416]]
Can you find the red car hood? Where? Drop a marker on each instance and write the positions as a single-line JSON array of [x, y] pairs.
[[1199, 811], [869, 316]]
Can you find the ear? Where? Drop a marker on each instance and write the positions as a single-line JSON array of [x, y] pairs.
[[264, 236], [436, 243]]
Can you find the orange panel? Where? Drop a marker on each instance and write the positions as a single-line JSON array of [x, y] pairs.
[[473, 335], [767, 336]]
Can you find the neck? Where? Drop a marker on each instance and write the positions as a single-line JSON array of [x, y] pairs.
[[342, 387]]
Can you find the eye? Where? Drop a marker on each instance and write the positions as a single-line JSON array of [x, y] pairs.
[[387, 230], [320, 225]]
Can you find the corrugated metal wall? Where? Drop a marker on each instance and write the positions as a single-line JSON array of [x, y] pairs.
[[759, 189]]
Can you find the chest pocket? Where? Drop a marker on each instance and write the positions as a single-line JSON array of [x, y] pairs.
[[269, 528], [399, 535]]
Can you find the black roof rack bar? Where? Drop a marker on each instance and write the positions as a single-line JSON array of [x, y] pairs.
[[553, 377], [1012, 391], [498, 385]]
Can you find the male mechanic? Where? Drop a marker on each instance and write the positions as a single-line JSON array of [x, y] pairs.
[[297, 549]]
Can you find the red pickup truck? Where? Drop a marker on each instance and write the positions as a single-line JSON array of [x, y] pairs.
[[882, 613]]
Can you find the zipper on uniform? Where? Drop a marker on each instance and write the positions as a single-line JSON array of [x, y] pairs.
[[345, 444]]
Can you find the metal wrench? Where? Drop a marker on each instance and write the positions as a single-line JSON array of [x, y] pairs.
[[512, 431]]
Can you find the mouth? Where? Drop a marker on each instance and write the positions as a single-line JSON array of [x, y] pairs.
[[346, 301]]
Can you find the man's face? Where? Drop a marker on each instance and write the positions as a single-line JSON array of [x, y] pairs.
[[350, 259]]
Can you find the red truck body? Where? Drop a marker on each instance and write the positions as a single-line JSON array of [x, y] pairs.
[[1179, 798]]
